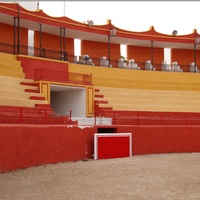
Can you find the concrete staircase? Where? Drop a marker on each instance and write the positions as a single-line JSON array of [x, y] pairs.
[[15, 90], [19, 92], [10, 66], [20, 99]]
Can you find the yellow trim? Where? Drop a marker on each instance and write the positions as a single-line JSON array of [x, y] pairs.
[[89, 94], [63, 84], [68, 84], [90, 101], [157, 36], [46, 59], [44, 88]]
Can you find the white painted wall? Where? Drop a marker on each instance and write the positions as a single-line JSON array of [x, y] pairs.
[[74, 100]]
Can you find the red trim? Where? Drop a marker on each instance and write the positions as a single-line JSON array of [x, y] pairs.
[[31, 90], [37, 98], [41, 17]]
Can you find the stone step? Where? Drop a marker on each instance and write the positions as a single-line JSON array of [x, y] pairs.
[[8, 56], [7, 101], [93, 121], [43, 105], [37, 98], [14, 80], [32, 90], [11, 62], [28, 83], [16, 87], [17, 94], [12, 73], [11, 68]]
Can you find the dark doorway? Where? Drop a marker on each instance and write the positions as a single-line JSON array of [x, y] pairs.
[[106, 130]]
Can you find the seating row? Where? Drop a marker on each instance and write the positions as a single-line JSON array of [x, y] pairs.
[[147, 100]]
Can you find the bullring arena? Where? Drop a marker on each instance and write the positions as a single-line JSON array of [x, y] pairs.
[[53, 102], [163, 176]]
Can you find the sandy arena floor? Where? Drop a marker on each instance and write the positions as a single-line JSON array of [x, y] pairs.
[[146, 177]]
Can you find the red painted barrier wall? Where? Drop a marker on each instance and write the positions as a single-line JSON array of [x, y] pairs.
[[25, 146], [164, 139], [29, 64]]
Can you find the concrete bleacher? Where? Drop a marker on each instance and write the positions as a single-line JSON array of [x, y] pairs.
[[13, 93], [15, 90], [148, 100], [139, 79], [10, 66], [125, 92], [116, 89], [20, 98]]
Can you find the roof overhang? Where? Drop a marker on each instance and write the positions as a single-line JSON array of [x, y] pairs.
[[73, 29]]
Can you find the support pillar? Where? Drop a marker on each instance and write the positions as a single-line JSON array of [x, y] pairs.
[[152, 55]]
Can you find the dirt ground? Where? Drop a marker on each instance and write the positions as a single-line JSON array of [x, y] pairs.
[[145, 177]]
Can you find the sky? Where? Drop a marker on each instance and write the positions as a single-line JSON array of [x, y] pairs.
[[165, 16]]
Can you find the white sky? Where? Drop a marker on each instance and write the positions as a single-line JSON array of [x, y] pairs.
[[165, 16]]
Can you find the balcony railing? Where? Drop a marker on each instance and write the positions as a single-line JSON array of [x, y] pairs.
[[57, 55], [26, 115], [132, 118]]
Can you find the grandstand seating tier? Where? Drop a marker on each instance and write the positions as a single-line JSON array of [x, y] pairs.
[[10, 66], [147, 100], [139, 79]]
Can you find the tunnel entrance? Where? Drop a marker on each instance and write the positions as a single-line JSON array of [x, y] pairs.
[[64, 99], [106, 130]]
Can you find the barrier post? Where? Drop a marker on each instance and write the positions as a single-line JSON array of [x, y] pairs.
[[114, 118], [95, 118], [70, 116], [45, 116], [20, 115], [137, 119]]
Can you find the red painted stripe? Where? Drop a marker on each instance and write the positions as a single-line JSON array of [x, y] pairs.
[[96, 90], [37, 98], [99, 96], [101, 102], [28, 84], [31, 90], [42, 105]]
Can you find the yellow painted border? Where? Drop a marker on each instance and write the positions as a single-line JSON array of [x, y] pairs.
[[44, 88], [90, 101]]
